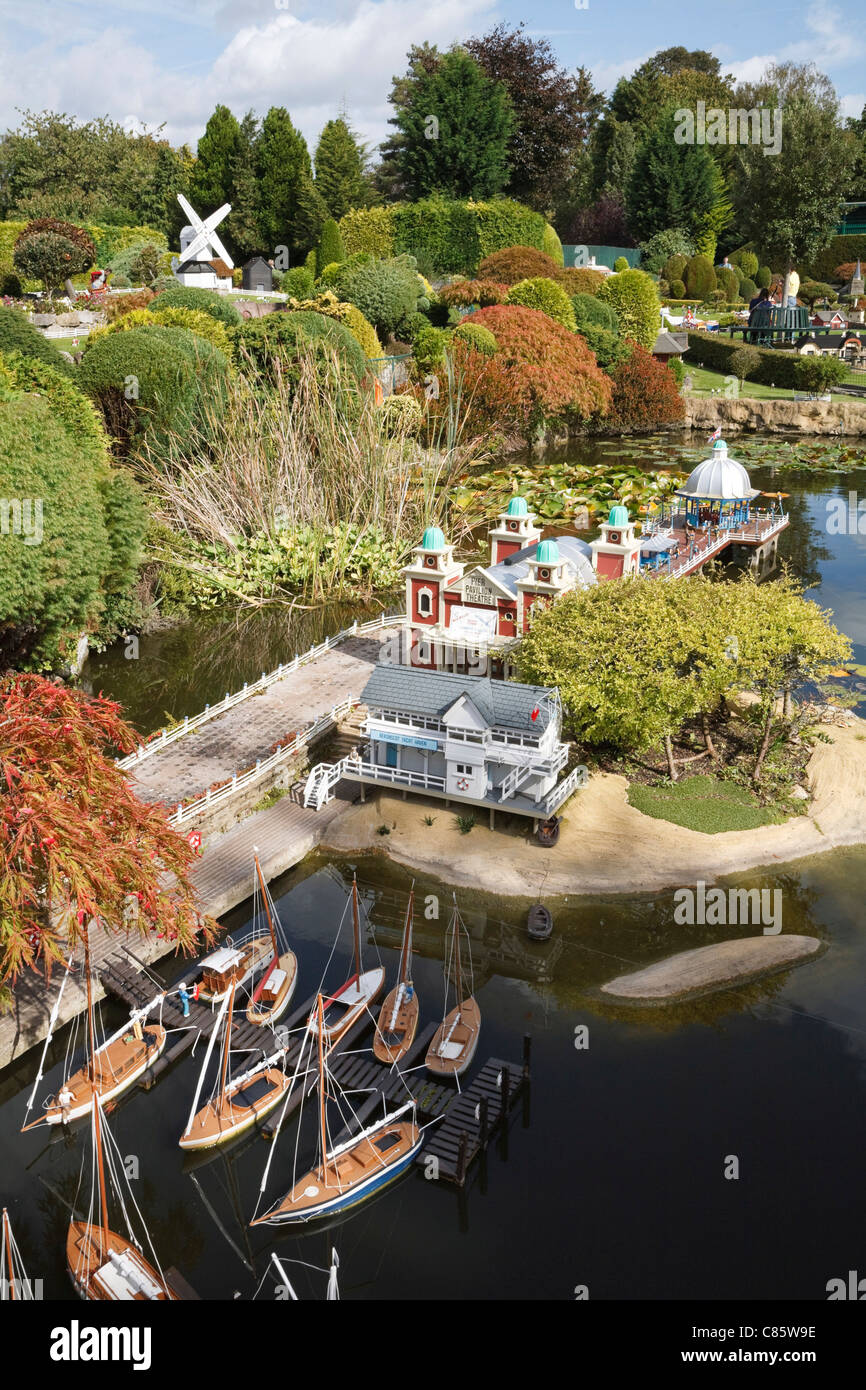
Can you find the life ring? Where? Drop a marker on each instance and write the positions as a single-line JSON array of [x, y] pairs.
[[194, 838], [462, 784]]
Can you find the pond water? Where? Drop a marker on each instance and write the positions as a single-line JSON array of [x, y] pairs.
[[613, 1174]]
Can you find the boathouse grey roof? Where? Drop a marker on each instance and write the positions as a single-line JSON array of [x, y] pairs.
[[574, 551], [504, 704]]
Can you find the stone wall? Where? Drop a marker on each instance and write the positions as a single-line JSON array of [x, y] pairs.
[[776, 416]]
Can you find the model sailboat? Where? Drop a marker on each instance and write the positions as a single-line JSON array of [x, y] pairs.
[[398, 1018], [238, 1103], [14, 1284], [111, 1068], [343, 1008], [352, 1171], [103, 1265], [277, 985], [456, 1038]]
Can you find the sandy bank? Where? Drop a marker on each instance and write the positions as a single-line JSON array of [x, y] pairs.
[[692, 973], [607, 846]]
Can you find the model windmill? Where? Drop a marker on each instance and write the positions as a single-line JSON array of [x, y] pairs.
[[204, 262]]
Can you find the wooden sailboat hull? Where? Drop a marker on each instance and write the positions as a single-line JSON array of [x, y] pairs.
[[394, 1036], [256, 953], [260, 1013], [117, 1066], [455, 1041], [95, 1277], [350, 1002], [353, 1175], [235, 1112]]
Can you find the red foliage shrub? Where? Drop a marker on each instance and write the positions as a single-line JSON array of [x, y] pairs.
[[645, 394], [844, 272], [515, 263], [540, 373], [119, 304], [466, 292]]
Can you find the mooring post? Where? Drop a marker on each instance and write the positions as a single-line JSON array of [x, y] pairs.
[[461, 1158], [527, 1050], [506, 1082], [483, 1121]]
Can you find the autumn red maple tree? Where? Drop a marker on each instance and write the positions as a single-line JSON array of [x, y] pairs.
[[76, 843]]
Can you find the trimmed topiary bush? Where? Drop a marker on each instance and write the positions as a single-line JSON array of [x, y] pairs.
[[209, 301], [368, 229], [52, 251], [156, 387], [728, 280], [747, 262], [674, 267], [17, 334], [764, 277], [386, 292], [194, 320], [748, 289], [814, 373], [677, 289], [515, 263], [620, 263], [475, 335], [401, 414], [700, 277], [551, 244], [429, 347], [546, 295], [635, 299], [331, 247], [589, 309], [714, 352], [580, 279]]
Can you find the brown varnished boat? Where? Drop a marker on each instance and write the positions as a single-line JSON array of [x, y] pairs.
[[105, 1267], [398, 1017], [231, 964], [271, 996], [115, 1066], [345, 1006], [455, 1040]]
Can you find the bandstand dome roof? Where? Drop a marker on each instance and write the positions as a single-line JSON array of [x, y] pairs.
[[433, 539], [719, 478], [517, 507]]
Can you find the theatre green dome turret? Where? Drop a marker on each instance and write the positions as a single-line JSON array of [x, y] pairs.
[[547, 552], [618, 516], [433, 539], [517, 507]]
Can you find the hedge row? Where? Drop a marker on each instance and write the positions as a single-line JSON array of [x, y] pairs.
[[107, 240], [710, 350], [455, 235]]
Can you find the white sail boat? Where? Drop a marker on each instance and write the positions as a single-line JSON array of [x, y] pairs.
[[103, 1265], [398, 1017], [112, 1067], [15, 1287], [274, 990], [332, 1293], [352, 1171], [455, 1040], [346, 1005], [237, 1103]]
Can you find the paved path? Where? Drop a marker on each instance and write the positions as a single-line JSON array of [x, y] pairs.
[[234, 741]]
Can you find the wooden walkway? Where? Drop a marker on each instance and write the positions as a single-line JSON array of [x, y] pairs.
[[235, 740], [472, 1118]]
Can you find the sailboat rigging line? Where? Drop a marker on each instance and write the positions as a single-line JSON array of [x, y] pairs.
[[273, 1147], [51, 1023]]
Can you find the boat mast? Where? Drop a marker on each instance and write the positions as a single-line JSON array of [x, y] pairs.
[[356, 924], [406, 953], [322, 1125], [97, 1114], [459, 970], [8, 1244], [267, 908], [228, 1040]]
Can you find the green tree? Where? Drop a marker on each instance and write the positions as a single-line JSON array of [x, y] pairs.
[[745, 362], [285, 184], [342, 177], [671, 185], [456, 130], [788, 204], [613, 153], [50, 257], [243, 224], [211, 184], [634, 297]]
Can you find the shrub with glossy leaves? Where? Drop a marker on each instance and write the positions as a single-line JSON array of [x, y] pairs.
[[209, 301], [645, 394], [544, 294], [635, 300]]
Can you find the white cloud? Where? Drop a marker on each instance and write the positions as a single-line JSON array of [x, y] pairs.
[[853, 104]]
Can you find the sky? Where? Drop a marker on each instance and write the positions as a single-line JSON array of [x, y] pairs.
[[159, 62]]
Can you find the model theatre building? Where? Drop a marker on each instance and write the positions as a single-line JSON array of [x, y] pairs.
[[486, 742]]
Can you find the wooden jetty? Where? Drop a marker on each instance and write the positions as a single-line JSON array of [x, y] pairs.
[[473, 1116]]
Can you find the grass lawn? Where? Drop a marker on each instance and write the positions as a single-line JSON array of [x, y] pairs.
[[703, 803], [65, 344], [704, 382]]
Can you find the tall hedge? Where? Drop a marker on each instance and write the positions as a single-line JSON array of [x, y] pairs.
[[456, 235], [331, 247], [777, 368], [107, 240], [155, 386]]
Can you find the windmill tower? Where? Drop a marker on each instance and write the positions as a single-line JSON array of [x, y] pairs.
[[204, 262]]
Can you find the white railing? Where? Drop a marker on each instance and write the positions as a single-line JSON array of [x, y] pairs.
[[508, 786], [560, 793], [283, 755], [399, 775], [160, 740]]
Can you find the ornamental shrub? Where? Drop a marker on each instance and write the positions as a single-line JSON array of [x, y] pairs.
[[589, 309], [155, 386], [121, 282], [664, 288], [546, 295], [747, 262], [331, 247], [367, 229], [456, 235], [620, 263], [609, 349], [819, 373], [17, 334], [464, 293], [551, 244], [298, 283], [748, 290], [48, 257], [764, 277], [120, 304], [659, 248], [266, 346], [475, 335], [677, 289], [674, 267], [700, 277], [728, 280], [844, 272], [645, 394], [718, 297], [328, 304], [197, 322], [635, 299], [209, 301], [541, 373], [10, 284], [401, 415], [516, 263], [580, 279], [429, 347], [386, 292]]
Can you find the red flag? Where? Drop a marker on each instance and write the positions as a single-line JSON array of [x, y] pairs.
[[535, 713]]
